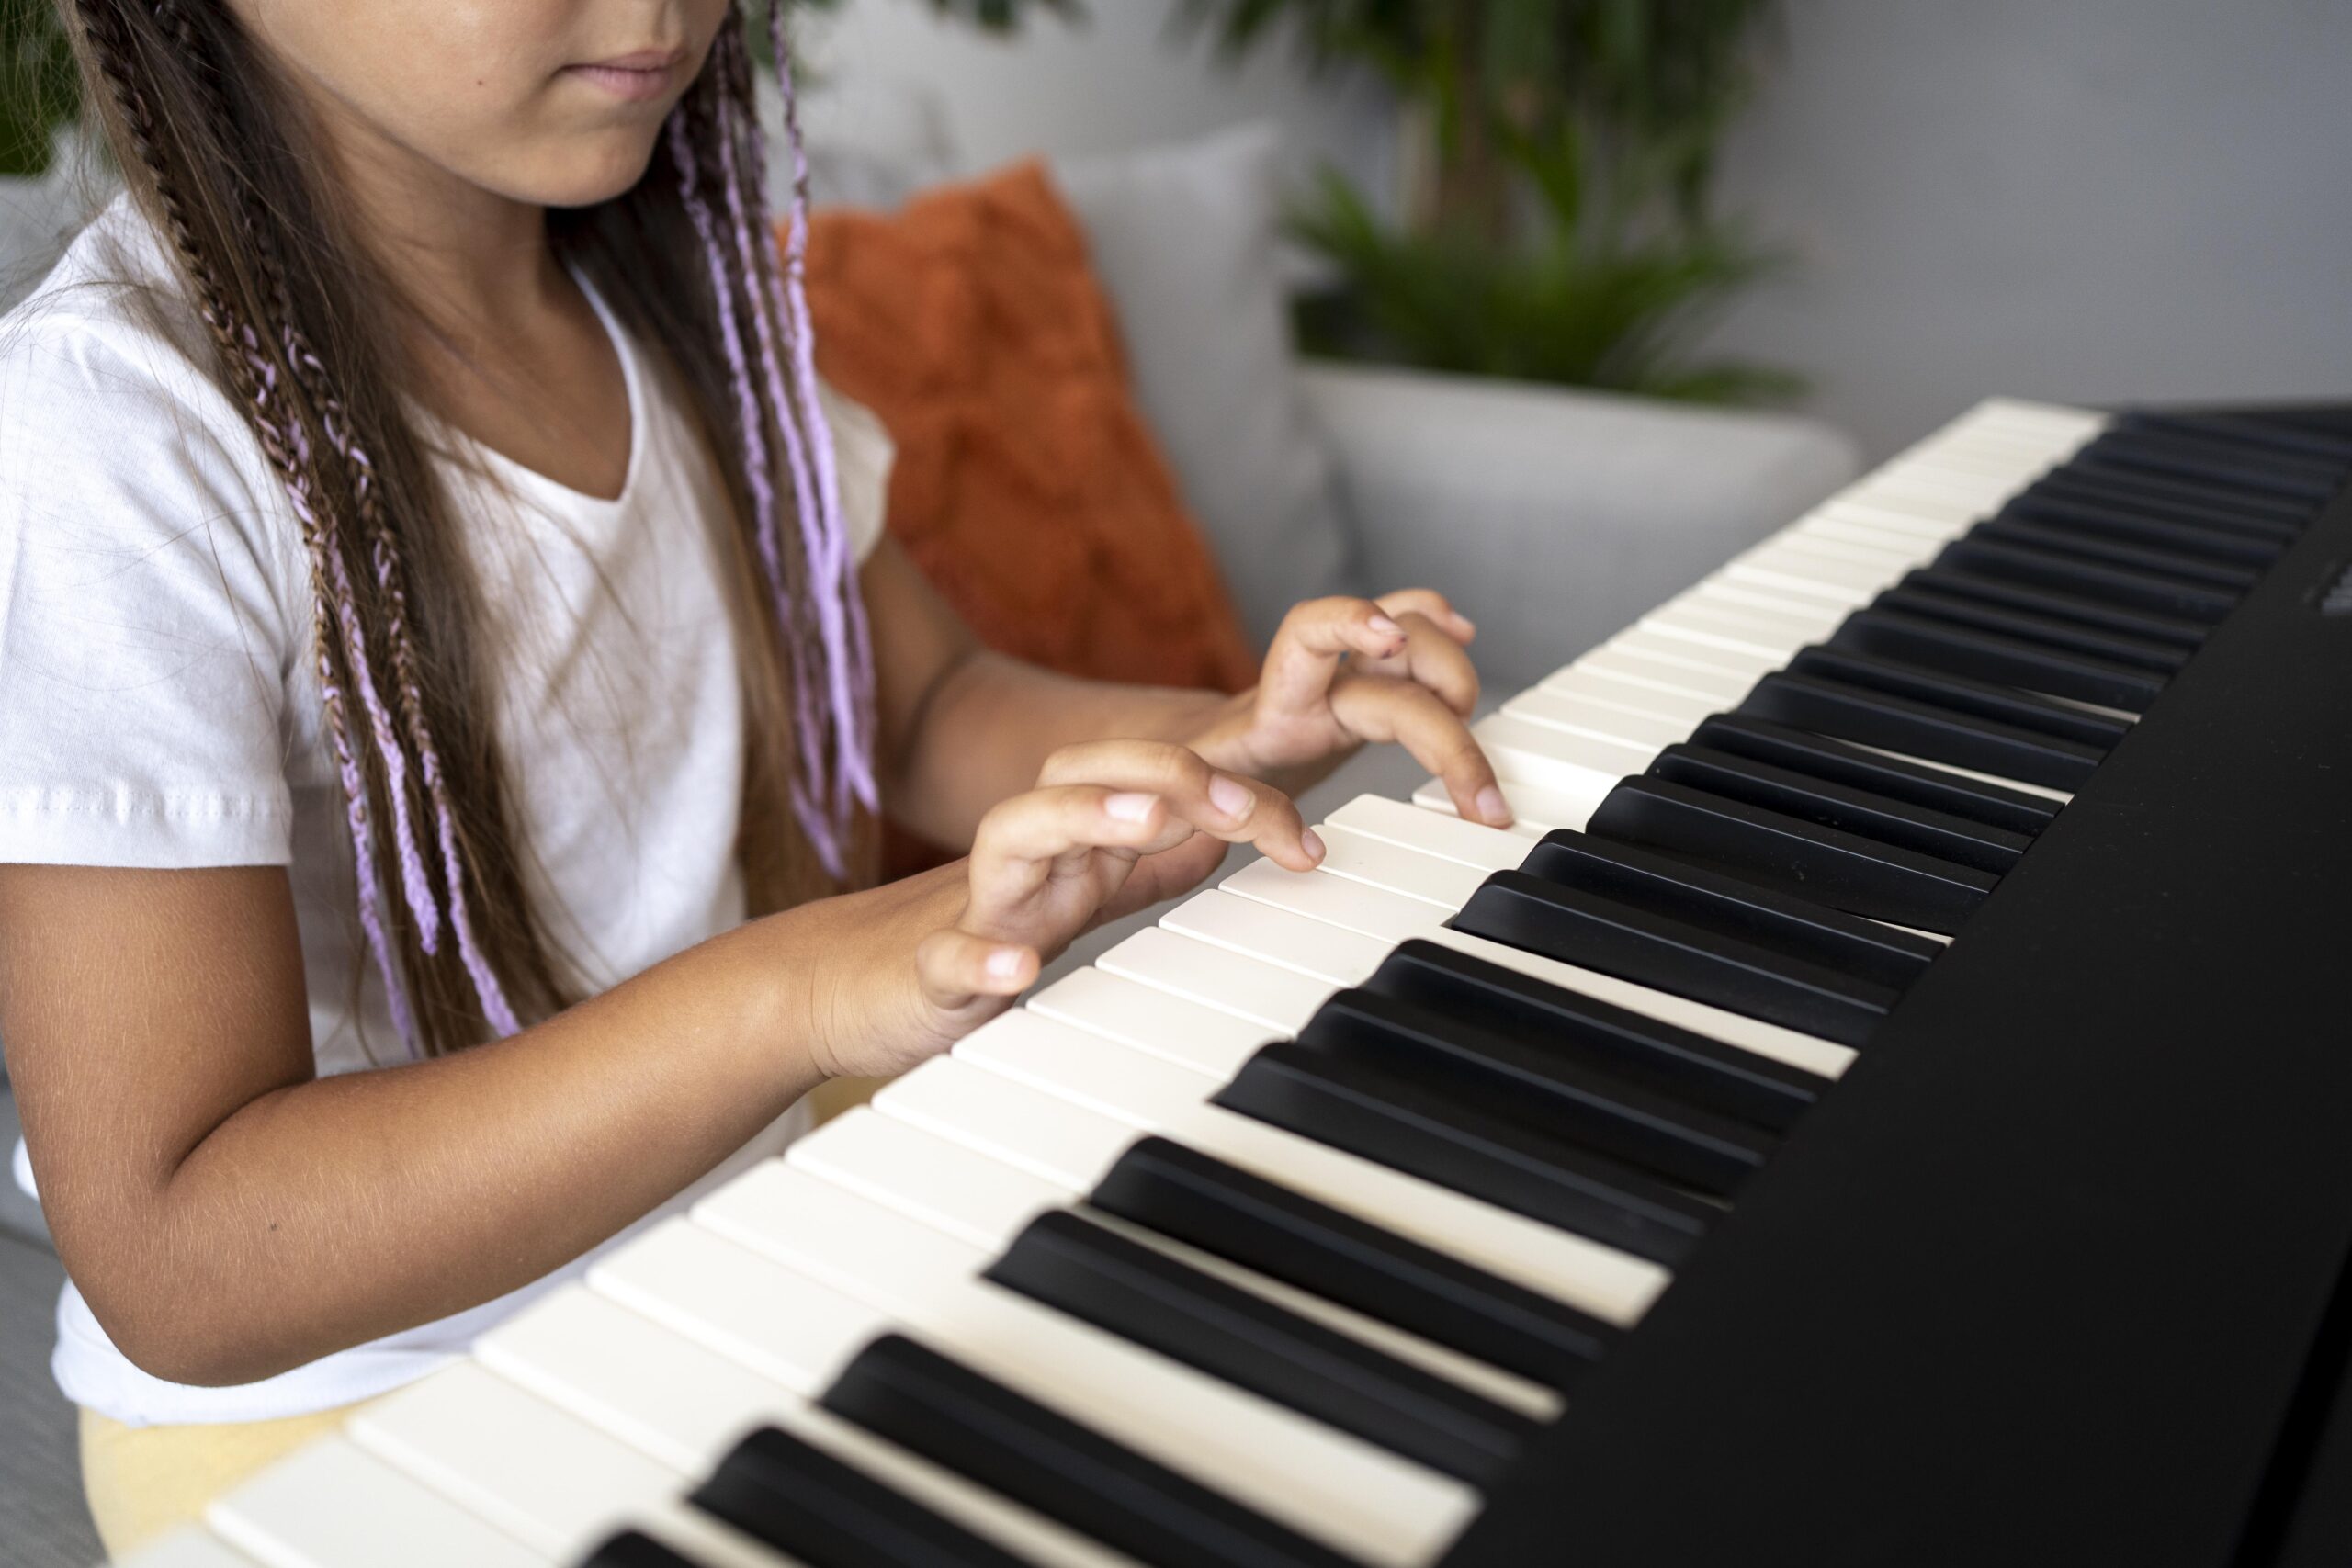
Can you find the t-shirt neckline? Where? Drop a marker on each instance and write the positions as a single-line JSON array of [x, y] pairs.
[[632, 383]]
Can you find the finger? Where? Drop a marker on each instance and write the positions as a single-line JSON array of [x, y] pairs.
[[1435, 606], [954, 967], [1384, 708], [1225, 806], [1307, 647], [1042, 825], [1434, 660]]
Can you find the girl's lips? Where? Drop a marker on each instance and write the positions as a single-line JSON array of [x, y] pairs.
[[633, 77]]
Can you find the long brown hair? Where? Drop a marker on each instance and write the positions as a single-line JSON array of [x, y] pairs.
[[284, 285]]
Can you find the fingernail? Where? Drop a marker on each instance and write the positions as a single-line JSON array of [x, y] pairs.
[[1493, 807], [1384, 626], [1312, 842], [1129, 807], [1230, 796], [1005, 964]]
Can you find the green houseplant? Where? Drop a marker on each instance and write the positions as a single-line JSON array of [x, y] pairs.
[[1556, 224]]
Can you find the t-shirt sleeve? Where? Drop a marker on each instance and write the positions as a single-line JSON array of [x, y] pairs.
[[863, 454], [144, 635]]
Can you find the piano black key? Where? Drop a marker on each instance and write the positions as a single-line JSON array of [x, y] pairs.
[[1671, 886], [1205, 1203], [1829, 866], [1511, 1077], [2021, 710], [2295, 440], [2158, 503], [1822, 757], [1925, 730], [1084, 1268], [811, 1506], [2229, 577], [2055, 605], [1381, 1116], [2090, 580], [2217, 462], [1575, 927], [1957, 839], [2295, 511], [2142, 527], [1989, 655], [1691, 1066], [2146, 654], [633, 1549], [932, 1405]]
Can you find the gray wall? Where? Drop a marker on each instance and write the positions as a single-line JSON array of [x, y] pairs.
[[2087, 199], [2093, 199]]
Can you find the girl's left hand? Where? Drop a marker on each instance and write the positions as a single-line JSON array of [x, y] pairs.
[[1342, 672]]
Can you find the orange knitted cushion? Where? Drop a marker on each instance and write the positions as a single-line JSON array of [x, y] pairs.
[[1028, 488]]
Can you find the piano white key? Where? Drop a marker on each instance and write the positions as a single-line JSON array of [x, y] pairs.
[[1888, 549], [1324, 952], [970, 1197], [1744, 665], [1399, 919], [330, 1505], [924, 1177], [728, 1299], [675, 1392], [630, 1378], [1445, 884], [1049, 1129], [1596, 681], [1600, 721], [1535, 810], [1714, 627], [1814, 619], [1281, 999], [1790, 569], [1633, 664], [1912, 541], [191, 1546], [1047, 1134], [1103, 1075], [1346, 1491], [1393, 821], [1153, 1020], [545, 1477], [1578, 771]]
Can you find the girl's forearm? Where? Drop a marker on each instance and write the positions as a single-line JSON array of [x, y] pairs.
[[992, 721], [332, 1212]]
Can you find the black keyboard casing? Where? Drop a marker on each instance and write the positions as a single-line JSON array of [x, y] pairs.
[[2057, 1273]]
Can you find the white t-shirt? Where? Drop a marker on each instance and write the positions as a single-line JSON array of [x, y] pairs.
[[159, 703]]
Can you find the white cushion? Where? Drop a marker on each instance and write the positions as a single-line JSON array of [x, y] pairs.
[[1184, 240]]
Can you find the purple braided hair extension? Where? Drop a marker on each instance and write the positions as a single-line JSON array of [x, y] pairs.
[[820, 531], [788, 300], [415, 882], [818, 828], [289, 450], [496, 1011]]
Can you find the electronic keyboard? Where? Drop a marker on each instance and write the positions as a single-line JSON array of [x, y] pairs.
[[1888, 1100]]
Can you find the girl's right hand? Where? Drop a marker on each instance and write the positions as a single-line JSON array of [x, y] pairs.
[[1112, 827]]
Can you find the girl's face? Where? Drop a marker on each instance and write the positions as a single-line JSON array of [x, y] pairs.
[[552, 102]]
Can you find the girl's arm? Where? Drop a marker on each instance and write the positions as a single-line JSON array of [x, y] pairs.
[[228, 1215], [963, 727]]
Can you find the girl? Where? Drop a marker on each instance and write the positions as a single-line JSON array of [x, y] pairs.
[[446, 628]]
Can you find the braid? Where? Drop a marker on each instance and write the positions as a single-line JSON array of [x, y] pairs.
[[383, 549], [255, 377]]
